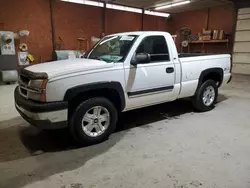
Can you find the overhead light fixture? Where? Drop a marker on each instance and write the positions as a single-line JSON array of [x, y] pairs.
[[124, 8], [86, 2], [153, 13], [172, 5]]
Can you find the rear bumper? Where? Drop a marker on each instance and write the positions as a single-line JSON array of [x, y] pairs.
[[42, 115]]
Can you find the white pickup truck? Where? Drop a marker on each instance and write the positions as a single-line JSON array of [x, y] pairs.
[[122, 72]]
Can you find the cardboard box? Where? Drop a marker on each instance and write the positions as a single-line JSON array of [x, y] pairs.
[[218, 35], [206, 37], [221, 36], [215, 34]]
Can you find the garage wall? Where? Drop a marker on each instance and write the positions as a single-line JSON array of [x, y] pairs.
[[154, 23], [241, 56], [195, 20], [219, 18], [121, 21], [72, 21], [33, 16]]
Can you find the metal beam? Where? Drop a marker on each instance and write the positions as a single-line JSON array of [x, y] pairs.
[[52, 25], [104, 18], [142, 20]]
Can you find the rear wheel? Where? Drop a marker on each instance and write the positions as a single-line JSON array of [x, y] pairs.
[[93, 121], [206, 96]]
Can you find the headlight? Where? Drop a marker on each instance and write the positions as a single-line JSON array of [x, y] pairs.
[[38, 84], [36, 90]]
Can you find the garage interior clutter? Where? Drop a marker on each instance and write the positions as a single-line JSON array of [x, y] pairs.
[[82, 88]]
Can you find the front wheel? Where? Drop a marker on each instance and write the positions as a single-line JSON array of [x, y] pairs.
[[206, 96], [93, 121]]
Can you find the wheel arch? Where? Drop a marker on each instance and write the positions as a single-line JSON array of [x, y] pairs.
[[215, 74], [105, 89]]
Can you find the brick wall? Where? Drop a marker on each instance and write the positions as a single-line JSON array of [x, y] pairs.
[[216, 18], [155, 23], [121, 21], [72, 21], [33, 16]]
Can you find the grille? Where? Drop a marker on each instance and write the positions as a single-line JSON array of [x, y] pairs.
[[23, 85], [24, 92], [24, 82]]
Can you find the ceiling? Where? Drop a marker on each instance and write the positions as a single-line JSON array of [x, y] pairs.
[[150, 4]]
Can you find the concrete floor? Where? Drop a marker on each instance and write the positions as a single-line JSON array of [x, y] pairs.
[[163, 146]]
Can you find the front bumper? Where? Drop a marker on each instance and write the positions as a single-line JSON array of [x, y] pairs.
[[42, 115]]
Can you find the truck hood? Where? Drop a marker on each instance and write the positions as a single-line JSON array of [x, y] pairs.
[[62, 67]]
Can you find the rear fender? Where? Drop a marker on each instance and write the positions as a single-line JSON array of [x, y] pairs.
[[206, 72]]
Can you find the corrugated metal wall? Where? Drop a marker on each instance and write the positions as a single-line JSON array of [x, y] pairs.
[[241, 55]]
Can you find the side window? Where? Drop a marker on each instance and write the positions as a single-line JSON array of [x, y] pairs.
[[156, 46]]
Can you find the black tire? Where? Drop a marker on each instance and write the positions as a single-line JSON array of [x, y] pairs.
[[75, 122], [197, 100]]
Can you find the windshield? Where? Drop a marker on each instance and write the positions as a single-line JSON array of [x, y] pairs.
[[112, 48]]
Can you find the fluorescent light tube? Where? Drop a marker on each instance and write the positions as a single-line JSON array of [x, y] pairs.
[[172, 5]]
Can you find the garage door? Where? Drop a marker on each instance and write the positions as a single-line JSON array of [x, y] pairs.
[[241, 55]]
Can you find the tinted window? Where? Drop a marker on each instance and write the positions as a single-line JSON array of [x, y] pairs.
[[156, 46]]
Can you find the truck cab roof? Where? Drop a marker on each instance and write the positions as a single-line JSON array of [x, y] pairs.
[[141, 33]]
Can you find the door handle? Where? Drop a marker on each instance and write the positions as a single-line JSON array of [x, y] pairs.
[[169, 70]]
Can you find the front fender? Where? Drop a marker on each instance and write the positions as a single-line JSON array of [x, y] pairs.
[[74, 91]]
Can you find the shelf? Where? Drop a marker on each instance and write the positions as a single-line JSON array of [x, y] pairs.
[[209, 41]]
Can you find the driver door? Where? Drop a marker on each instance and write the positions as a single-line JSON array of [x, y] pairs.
[[153, 82]]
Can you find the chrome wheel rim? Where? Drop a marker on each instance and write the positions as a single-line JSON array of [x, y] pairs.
[[96, 121], [208, 96]]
